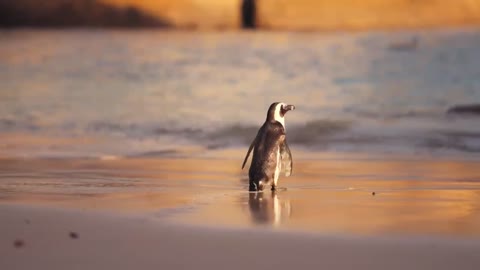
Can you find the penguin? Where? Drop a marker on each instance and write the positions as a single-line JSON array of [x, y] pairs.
[[271, 153]]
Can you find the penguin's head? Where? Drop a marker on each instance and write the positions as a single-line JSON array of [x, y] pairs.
[[277, 112]]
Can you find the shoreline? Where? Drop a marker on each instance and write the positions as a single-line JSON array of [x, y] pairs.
[[306, 30]]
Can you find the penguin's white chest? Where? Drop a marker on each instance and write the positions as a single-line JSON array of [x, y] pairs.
[[278, 167]]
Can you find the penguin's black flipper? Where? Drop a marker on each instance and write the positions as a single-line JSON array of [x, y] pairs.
[[286, 157], [249, 150]]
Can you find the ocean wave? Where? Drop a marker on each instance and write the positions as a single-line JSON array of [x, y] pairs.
[[317, 130], [344, 134]]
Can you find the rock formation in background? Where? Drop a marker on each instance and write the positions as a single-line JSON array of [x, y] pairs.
[[66, 13]]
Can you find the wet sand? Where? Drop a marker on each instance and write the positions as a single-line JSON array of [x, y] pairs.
[[338, 211], [46, 238], [328, 193]]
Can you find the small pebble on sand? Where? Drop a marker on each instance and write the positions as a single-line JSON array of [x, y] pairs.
[[373, 193], [18, 243], [73, 235]]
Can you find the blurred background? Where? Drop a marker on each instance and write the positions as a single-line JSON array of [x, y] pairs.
[[108, 78]]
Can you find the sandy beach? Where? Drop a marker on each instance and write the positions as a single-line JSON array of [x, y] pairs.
[[180, 213], [48, 238], [330, 193]]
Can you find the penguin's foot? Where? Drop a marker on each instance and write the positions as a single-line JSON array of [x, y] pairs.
[[255, 187]]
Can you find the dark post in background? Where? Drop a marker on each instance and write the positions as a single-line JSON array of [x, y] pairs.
[[248, 14]]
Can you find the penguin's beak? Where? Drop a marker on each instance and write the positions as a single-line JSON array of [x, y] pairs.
[[287, 108]]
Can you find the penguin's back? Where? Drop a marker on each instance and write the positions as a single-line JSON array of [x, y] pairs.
[[266, 149]]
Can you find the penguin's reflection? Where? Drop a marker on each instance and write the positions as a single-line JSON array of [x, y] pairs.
[[268, 208]]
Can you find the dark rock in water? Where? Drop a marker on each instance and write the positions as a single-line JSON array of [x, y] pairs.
[[472, 109]]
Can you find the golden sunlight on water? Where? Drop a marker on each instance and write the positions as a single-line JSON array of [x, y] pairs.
[[350, 211], [328, 195]]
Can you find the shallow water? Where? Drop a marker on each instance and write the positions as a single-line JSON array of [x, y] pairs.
[[102, 93], [332, 195]]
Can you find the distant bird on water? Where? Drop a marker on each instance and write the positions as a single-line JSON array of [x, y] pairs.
[[410, 45]]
